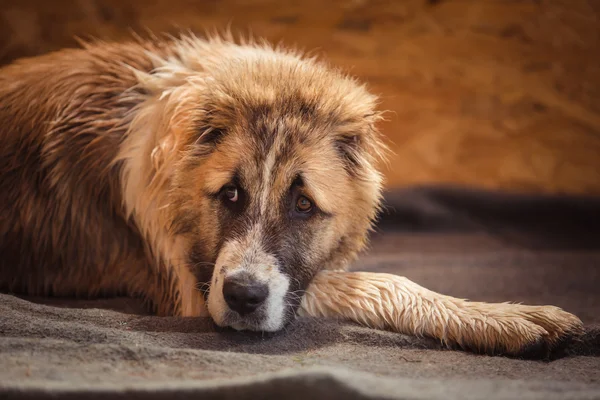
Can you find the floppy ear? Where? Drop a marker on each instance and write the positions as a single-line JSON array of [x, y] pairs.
[[349, 148], [202, 135], [361, 148], [211, 121], [189, 120]]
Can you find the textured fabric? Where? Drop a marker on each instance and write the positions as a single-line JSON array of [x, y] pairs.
[[467, 244]]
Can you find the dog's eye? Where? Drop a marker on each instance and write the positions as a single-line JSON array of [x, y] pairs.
[[303, 205], [231, 192]]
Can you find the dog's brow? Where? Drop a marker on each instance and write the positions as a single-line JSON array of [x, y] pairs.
[[218, 180], [324, 204]]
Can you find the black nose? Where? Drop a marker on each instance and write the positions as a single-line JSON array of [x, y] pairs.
[[243, 295]]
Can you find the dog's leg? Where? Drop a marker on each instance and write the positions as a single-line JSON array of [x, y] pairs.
[[190, 300], [393, 302], [168, 291], [173, 292]]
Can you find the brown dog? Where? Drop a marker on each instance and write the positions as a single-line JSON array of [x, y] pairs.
[[212, 178]]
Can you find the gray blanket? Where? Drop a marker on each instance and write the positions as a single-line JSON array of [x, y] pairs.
[[481, 246]]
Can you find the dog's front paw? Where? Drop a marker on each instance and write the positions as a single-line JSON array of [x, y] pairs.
[[559, 327], [524, 331]]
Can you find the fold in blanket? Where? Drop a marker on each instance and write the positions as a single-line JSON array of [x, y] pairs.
[[471, 244], [534, 221]]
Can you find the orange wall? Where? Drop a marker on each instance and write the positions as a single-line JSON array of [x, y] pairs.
[[500, 94]]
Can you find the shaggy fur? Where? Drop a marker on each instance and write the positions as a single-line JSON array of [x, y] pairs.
[[114, 161], [393, 302]]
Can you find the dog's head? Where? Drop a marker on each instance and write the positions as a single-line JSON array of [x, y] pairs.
[[272, 176]]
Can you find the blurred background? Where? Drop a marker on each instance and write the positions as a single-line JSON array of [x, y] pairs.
[[499, 94]]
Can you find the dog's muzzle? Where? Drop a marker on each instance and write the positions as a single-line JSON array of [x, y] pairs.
[[248, 290]]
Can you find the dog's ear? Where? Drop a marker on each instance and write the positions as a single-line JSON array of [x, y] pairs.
[[210, 124], [203, 136], [190, 123], [349, 149], [361, 147], [213, 119], [208, 134]]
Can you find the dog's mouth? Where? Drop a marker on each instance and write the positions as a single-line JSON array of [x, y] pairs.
[[259, 320], [247, 323]]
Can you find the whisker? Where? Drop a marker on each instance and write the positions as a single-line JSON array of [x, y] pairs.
[[203, 286]]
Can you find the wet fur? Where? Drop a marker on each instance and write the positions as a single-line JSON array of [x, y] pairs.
[[108, 165]]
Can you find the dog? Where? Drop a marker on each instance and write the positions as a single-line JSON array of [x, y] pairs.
[[215, 177]]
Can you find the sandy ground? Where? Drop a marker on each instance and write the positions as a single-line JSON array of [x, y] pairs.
[[110, 349]]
